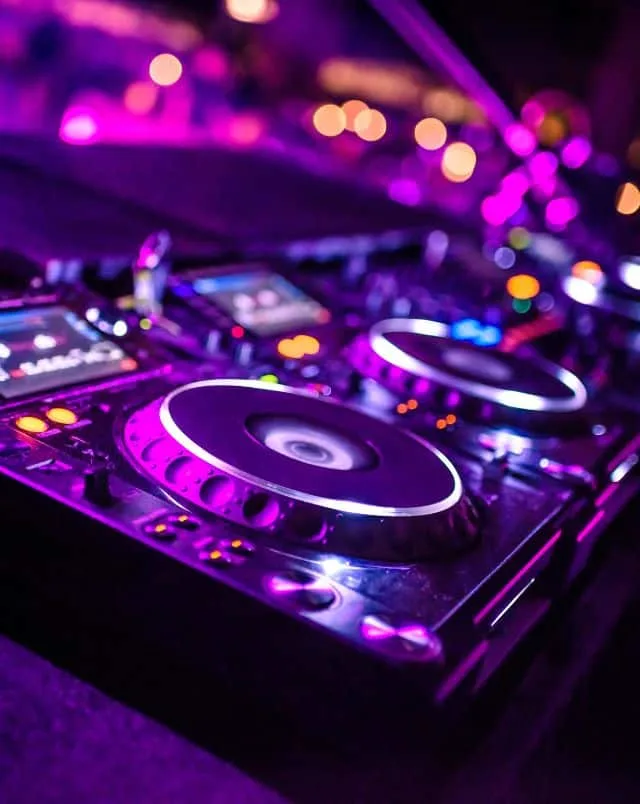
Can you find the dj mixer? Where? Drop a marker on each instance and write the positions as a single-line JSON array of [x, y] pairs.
[[350, 454]]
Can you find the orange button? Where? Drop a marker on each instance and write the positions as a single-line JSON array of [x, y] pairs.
[[31, 424], [61, 416]]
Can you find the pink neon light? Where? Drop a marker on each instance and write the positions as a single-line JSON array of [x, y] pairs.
[[521, 141], [480, 616], [461, 671], [589, 527]]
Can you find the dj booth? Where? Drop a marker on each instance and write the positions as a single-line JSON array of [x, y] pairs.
[[316, 486]]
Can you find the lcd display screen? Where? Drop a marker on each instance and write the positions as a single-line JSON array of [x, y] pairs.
[[48, 347], [262, 302]]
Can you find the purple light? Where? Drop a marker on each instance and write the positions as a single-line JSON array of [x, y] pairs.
[[492, 210], [515, 183], [283, 586], [414, 633], [576, 152], [533, 113], [405, 191], [543, 166], [497, 209], [78, 127], [521, 141], [560, 211], [376, 629]]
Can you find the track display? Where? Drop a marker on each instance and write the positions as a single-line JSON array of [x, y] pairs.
[[347, 457]]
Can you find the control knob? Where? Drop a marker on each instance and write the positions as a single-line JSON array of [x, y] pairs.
[[97, 486]]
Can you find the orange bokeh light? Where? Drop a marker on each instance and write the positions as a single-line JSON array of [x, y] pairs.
[[628, 201], [352, 109], [523, 287], [165, 69], [252, 10], [458, 161], [430, 133], [588, 270], [370, 125], [329, 120]]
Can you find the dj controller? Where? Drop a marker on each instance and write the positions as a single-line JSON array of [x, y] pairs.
[[351, 454]]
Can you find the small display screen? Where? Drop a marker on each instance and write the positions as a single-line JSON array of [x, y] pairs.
[[49, 347], [262, 302]]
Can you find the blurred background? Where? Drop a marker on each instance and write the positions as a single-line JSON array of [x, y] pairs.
[[201, 107]]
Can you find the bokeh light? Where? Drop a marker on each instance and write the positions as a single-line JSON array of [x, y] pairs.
[[78, 127], [520, 139], [458, 162], [633, 153], [329, 120], [165, 69], [521, 305], [370, 125], [561, 211], [504, 258], [580, 290], [628, 200], [523, 286], [430, 133], [543, 165], [252, 10], [576, 152], [405, 191], [589, 271], [140, 97], [497, 209], [515, 183], [629, 272], [552, 129], [352, 109], [519, 238]]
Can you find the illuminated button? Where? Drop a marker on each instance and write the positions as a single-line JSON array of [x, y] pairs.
[[61, 416], [240, 547], [161, 531], [303, 590], [31, 424], [269, 378], [184, 522], [400, 637], [216, 558]]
